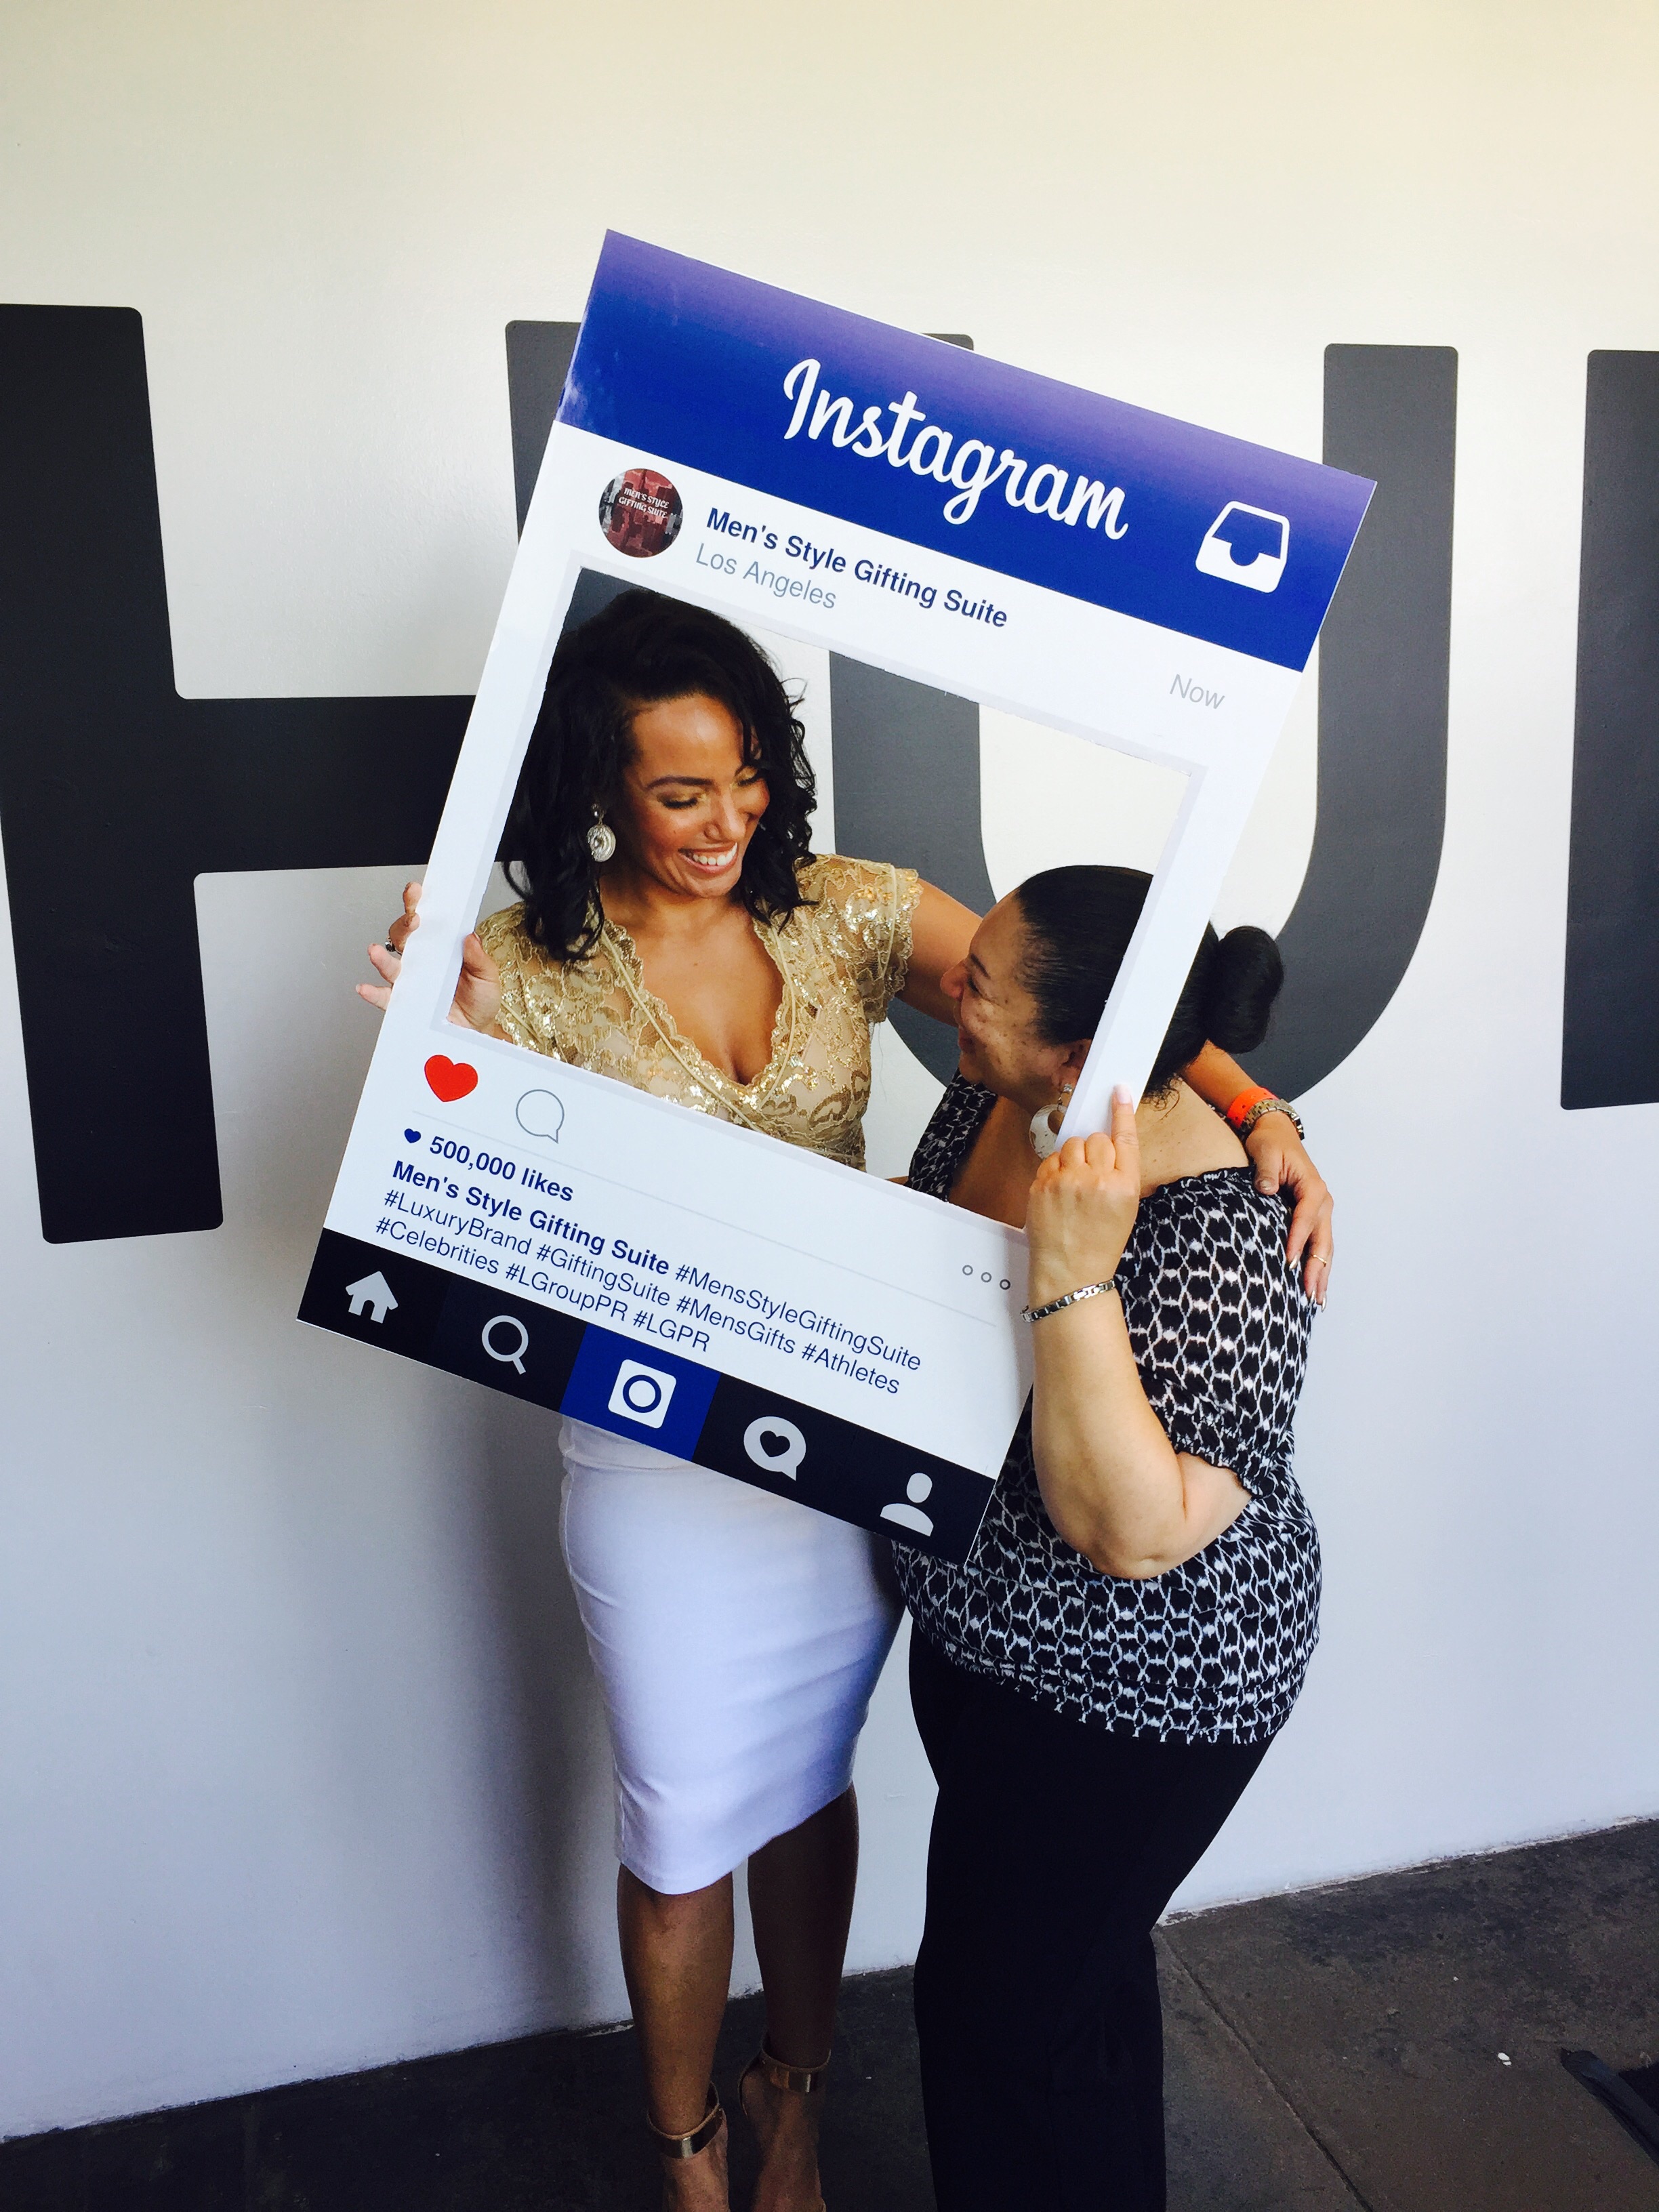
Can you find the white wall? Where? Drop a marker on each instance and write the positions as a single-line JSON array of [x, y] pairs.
[[302, 1766]]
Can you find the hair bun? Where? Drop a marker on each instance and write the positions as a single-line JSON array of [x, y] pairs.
[[1081, 920], [1245, 976]]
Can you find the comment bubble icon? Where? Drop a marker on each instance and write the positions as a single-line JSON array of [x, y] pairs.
[[542, 1113]]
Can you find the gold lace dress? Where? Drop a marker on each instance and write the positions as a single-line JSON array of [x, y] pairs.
[[842, 959], [737, 1637]]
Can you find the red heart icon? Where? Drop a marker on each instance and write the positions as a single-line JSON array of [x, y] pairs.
[[451, 1079]]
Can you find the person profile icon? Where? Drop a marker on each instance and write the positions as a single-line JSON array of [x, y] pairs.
[[918, 1489]]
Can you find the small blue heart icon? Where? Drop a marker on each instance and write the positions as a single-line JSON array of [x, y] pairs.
[[413, 1135]]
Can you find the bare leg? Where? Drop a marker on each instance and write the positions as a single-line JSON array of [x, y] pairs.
[[800, 1896], [677, 1956]]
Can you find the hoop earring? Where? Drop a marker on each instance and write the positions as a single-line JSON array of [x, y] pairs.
[[601, 838], [1045, 1138]]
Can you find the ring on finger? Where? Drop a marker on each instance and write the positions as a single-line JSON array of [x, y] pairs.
[[394, 949]]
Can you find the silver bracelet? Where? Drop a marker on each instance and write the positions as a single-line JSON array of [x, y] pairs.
[[1247, 1121], [1070, 1298]]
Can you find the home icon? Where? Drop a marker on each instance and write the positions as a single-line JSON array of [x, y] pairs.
[[374, 1292]]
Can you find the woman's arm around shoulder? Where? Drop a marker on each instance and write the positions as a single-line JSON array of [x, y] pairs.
[[1281, 1162], [941, 930], [915, 931]]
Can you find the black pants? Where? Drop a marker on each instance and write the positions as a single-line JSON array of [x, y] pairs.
[[1055, 1848]]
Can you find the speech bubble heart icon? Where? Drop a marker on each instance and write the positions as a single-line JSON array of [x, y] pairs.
[[542, 1113], [450, 1079]]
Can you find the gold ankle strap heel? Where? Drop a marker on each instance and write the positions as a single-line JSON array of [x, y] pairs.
[[701, 2137], [795, 2080], [804, 2081]]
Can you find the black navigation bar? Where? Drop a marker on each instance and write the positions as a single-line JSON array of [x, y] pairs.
[[634, 1389]]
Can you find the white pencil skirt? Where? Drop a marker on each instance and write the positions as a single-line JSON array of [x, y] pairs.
[[737, 1638]]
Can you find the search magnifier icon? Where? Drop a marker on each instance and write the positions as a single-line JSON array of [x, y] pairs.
[[515, 1356]]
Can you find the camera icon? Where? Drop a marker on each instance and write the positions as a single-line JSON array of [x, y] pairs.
[[641, 1394]]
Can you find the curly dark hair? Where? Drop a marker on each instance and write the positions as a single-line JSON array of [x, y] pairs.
[[641, 649]]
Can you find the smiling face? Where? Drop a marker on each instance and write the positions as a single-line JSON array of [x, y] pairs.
[[997, 1025], [690, 801]]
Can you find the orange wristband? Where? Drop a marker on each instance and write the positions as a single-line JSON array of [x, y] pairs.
[[1242, 1105]]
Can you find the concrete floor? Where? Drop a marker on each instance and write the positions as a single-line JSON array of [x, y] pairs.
[[1335, 2049]]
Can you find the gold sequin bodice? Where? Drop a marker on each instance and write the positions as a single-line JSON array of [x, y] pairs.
[[843, 958]]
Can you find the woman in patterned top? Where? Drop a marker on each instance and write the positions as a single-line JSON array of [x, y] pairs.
[[676, 934], [1098, 1682]]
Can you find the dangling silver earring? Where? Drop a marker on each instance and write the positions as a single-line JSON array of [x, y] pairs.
[[601, 838], [1045, 1133]]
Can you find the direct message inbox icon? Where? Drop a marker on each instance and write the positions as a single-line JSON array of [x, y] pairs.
[[1246, 545]]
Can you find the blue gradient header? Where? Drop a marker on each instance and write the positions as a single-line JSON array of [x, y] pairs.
[[1198, 532]]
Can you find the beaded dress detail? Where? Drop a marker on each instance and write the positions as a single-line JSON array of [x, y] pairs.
[[843, 958]]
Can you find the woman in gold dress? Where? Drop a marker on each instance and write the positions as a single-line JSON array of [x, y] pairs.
[[677, 933]]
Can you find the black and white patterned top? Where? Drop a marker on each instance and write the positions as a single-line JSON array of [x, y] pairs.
[[1214, 1650]]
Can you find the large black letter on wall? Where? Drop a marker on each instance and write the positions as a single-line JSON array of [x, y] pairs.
[[1384, 665], [115, 792], [906, 790], [1610, 1017]]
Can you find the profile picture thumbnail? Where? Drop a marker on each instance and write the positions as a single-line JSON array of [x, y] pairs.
[[640, 513]]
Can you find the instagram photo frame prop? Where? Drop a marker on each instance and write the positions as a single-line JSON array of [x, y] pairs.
[[1140, 583]]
